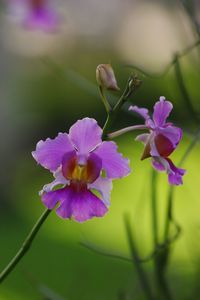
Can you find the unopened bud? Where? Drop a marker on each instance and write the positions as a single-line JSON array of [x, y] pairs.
[[105, 77], [134, 82]]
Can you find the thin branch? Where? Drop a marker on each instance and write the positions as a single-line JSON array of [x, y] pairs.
[[169, 66], [170, 218], [185, 94], [25, 246], [141, 273]]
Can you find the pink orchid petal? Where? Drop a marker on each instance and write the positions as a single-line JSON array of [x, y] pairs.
[[144, 138], [104, 187], [59, 180], [162, 110], [175, 174], [80, 205], [115, 165], [85, 135], [143, 112], [173, 133], [49, 153]]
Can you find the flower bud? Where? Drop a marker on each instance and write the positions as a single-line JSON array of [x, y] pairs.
[[106, 78]]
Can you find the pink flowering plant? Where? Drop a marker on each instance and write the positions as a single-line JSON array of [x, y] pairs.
[[162, 139], [84, 161]]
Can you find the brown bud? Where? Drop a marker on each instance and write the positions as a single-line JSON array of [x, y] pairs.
[[105, 77]]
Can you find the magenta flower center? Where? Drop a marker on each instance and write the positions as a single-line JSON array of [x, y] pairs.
[[163, 145], [80, 174]]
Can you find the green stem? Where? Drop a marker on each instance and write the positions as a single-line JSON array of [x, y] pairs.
[[186, 97], [169, 212], [133, 83], [104, 100], [141, 274], [169, 216], [25, 246], [162, 287], [154, 209], [108, 124]]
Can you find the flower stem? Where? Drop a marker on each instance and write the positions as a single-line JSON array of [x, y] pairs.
[[141, 273], [169, 216], [127, 129], [163, 291], [185, 94], [104, 100], [25, 246], [154, 208], [133, 83]]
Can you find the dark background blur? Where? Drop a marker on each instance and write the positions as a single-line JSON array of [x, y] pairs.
[[47, 82]]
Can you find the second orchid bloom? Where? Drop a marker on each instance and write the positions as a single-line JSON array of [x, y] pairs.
[[162, 139]]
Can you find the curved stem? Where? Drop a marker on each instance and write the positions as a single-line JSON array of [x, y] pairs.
[[104, 100], [25, 246], [154, 203], [127, 129], [185, 94], [134, 254], [169, 216]]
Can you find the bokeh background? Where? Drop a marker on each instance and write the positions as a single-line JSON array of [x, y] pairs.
[[47, 82]]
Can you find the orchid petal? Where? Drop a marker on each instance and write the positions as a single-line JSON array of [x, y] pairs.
[[175, 174], [115, 165], [143, 112], [81, 206], [162, 110], [59, 179], [50, 199], [85, 135], [49, 153], [144, 138], [174, 134], [104, 187]]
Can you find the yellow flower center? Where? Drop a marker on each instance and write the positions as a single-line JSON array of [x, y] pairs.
[[83, 173], [80, 173]]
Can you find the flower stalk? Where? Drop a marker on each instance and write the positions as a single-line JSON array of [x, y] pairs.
[[25, 246], [104, 100], [132, 85], [137, 264]]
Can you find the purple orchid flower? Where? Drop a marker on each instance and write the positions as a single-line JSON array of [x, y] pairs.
[[162, 140], [77, 161], [41, 15], [37, 14]]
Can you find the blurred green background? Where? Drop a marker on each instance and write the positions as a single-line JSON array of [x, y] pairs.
[[48, 82]]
